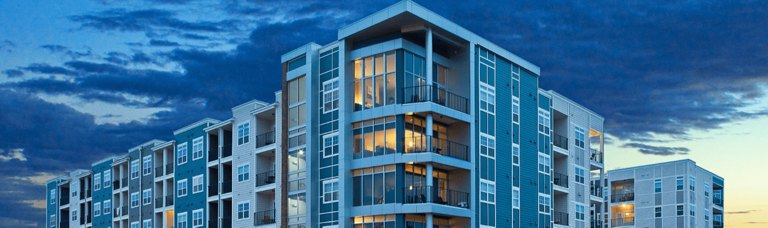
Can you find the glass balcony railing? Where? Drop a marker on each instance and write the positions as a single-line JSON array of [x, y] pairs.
[[560, 179], [438, 146], [264, 217], [560, 141], [441, 96], [622, 197], [265, 178], [265, 139], [429, 194]]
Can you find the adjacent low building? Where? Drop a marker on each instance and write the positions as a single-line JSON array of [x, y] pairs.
[[670, 194]]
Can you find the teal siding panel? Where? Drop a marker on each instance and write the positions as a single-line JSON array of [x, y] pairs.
[[503, 143], [528, 149]]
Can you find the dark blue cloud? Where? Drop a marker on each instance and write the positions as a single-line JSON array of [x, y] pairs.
[[12, 73], [657, 150], [163, 43], [146, 21]]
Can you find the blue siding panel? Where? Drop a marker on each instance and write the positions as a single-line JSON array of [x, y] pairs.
[[528, 149], [503, 143]]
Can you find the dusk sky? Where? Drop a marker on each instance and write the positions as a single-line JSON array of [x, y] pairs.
[[83, 80]]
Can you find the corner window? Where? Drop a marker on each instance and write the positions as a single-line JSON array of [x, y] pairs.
[[181, 154], [330, 191], [243, 133], [375, 82], [197, 148]]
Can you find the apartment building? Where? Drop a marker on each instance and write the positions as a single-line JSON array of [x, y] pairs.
[[69, 200], [406, 120], [670, 194]]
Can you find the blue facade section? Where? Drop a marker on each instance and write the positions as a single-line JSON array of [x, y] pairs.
[[52, 208], [528, 149], [192, 201], [504, 127], [103, 194], [328, 167]]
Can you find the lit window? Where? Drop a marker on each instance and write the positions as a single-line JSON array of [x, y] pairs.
[[243, 133], [330, 191]]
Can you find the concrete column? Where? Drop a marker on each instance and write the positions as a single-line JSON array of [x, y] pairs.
[[429, 220], [429, 56], [430, 185], [429, 122]]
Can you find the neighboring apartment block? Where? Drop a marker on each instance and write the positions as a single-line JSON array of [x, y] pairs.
[[406, 120], [670, 194]]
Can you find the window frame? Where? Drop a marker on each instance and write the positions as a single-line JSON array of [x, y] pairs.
[[199, 141], [246, 174], [138, 200], [97, 181], [334, 193], [146, 165], [180, 221], [198, 178], [96, 209], [179, 189], [657, 186], [106, 207], [333, 93], [244, 132], [246, 210], [146, 197], [181, 154], [135, 169], [327, 147], [195, 220]]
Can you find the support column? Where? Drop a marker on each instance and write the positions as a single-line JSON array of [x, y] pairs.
[[429, 56], [429, 220], [430, 185], [429, 133]]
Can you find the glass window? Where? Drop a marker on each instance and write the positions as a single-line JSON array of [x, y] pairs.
[[296, 160], [545, 203], [197, 218], [657, 212], [692, 184], [181, 220], [181, 154], [53, 196], [134, 224], [107, 207], [297, 204], [579, 137], [197, 184], [134, 169], [74, 214], [657, 185], [243, 172], [580, 175], [545, 164], [375, 83], [515, 110], [330, 191], [331, 95], [330, 145], [96, 209], [487, 192], [374, 137], [97, 181], [134, 199], [197, 148], [680, 182], [147, 223], [580, 212], [680, 210], [107, 178], [146, 197], [243, 133], [243, 210], [374, 185], [516, 197], [146, 165], [181, 188]]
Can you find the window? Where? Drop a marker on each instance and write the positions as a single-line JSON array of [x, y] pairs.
[[53, 220], [96, 209], [377, 137], [330, 142], [658, 212], [107, 207], [297, 102], [146, 196], [197, 218], [134, 199], [516, 197], [680, 183], [181, 188], [375, 80], [487, 145], [515, 110], [680, 210], [146, 165], [580, 212], [181, 154], [134, 224], [97, 181], [579, 137], [243, 172], [692, 184], [330, 95], [197, 184], [516, 155], [544, 122], [197, 148], [693, 209], [74, 214], [243, 210], [487, 191], [181, 220], [657, 185], [243, 133], [330, 191], [134, 169], [544, 164], [487, 98], [107, 178], [53, 196], [580, 173], [146, 223], [545, 203], [375, 185]]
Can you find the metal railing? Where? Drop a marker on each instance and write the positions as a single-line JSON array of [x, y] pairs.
[[595, 156], [169, 168], [622, 197], [561, 218], [266, 138], [116, 184], [159, 171], [429, 194], [441, 96], [226, 187], [560, 141], [226, 151], [213, 189], [444, 147], [264, 217], [560, 179], [623, 221], [169, 200], [213, 154], [159, 202], [265, 178], [596, 191]]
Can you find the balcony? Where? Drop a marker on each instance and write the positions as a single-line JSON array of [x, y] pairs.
[[226, 187], [124, 182], [169, 200], [596, 223], [265, 178], [439, 146], [561, 218], [596, 156], [560, 141], [213, 154], [226, 151], [64, 199], [169, 168], [115, 185], [448, 197], [441, 96], [264, 217], [159, 171], [596, 191], [560, 179], [264, 139], [226, 222], [623, 221], [213, 189], [159, 202], [622, 197]]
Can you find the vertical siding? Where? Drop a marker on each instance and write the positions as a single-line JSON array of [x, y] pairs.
[[188, 170], [528, 149], [503, 143]]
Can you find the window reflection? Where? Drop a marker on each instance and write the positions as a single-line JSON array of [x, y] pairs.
[[374, 137]]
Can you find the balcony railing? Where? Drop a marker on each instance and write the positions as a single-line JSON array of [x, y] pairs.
[[213, 189], [429, 194], [596, 190], [596, 223], [265, 139], [64, 200], [124, 182], [596, 156], [623, 221], [264, 217], [159, 171], [159, 202], [441, 96], [169, 168], [265, 178], [561, 218], [226, 151], [226, 222], [213, 154], [622, 197], [560, 179], [439, 146], [560, 141], [226, 187], [169, 200], [718, 201]]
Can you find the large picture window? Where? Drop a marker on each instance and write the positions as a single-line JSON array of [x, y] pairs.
[[374, 137], [375, 81], [371, 186]]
